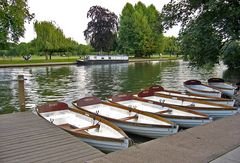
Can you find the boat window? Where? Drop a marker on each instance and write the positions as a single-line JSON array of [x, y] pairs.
[[109, 57], [102, 57]]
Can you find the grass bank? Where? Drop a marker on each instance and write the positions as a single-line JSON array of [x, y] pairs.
[[40, 60]]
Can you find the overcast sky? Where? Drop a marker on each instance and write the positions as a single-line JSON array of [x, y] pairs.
[[71, 15]]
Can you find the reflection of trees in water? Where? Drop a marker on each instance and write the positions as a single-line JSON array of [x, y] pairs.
[[6, 96], [105, 79], [143, 75], [232, 75], [53, 81], [112, 79]]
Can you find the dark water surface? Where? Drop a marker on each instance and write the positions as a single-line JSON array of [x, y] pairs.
[[68, 83]]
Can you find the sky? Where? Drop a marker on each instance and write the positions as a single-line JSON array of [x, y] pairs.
[[71, 15]]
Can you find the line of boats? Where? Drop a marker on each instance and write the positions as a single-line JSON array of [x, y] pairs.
[[154, 112]]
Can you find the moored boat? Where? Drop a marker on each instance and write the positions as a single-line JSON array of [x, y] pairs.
[[196, 87], [102, 59], [183, 117], [182, 96], [89, 128], [211, 109], [130, 120], [220, 84]]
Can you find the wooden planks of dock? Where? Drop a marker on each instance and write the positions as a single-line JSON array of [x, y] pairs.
[[25, 137], [218, 141]]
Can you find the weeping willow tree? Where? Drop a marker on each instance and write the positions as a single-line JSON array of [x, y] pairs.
[[51, 39]]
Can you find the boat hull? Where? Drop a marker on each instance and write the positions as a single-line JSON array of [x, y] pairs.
[[220, 84], [187, 123], [81, 62], [225, 89], [147, 131], [212, 94], [217, 113], [108, 146]]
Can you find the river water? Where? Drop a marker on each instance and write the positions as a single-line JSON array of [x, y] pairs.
[[68, 83]]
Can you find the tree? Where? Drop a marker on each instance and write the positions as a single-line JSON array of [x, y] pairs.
[[13, 15], [231, 54], [126, 31], [51, 39], [140, 31], [206, 26], [170, 45], [102, 28]]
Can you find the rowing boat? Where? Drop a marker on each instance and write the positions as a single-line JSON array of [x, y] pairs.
[[196, 87], [89, 128], [211, 109], [130, 120], [220, 84], [182, 96], [183, 117]]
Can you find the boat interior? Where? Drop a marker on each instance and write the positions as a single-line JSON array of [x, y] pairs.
[[149, 95], [115, 112], [132, 102], [80, 123]]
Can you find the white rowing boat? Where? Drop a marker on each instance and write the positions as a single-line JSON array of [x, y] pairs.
[[196, 87], [89, 128], [183, 117], [220, 84], [130, 120], [212, 110], [182, 96]]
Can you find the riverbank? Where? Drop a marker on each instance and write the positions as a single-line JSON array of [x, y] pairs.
[[68, 61]]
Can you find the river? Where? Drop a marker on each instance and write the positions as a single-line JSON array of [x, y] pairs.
[[68, 83]]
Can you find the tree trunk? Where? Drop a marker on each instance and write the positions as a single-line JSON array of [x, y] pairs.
[[46, 56]]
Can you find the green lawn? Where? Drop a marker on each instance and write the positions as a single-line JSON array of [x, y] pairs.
[[56, 59], [37, 59]]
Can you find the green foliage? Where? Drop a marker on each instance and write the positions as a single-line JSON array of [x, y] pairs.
[[170, 45], [140, 30], [83, 49], [126, 30], [13, 15], [206, 25], [51, 39], [201, 45], [102, 28], [231, 54]]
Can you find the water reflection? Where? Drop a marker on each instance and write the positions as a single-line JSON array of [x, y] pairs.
[[67, 83]]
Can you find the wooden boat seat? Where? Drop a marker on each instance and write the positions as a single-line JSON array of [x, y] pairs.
[[130, 117], [68, 126], [86, 128], [165, 111]]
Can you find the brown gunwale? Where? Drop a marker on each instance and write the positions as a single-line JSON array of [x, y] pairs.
[[191, 94], [172, 125], [85, 135], [221, 106], [204, 116]]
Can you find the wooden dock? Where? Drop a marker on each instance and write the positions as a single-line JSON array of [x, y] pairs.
[[25, 137], [216, 142]]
